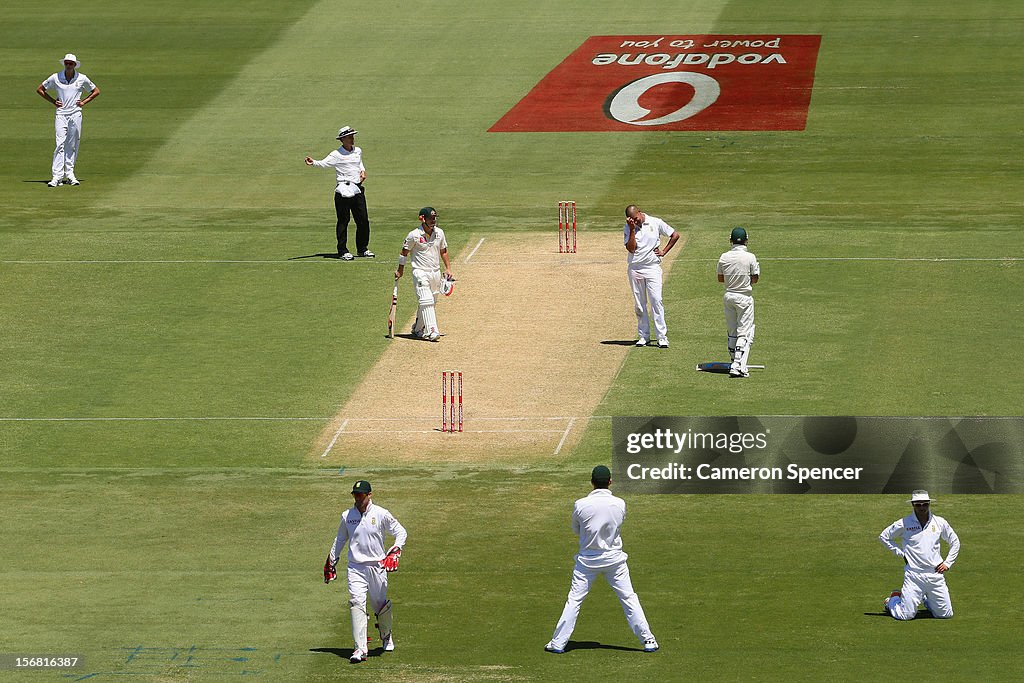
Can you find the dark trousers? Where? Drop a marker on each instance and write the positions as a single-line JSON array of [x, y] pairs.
[[356, 206]]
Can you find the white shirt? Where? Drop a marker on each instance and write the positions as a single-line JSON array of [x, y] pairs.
[[425, 252], [365, 534], [920, 546], [648, 236], [597, 519], [69, 92], [346, 164], [737, 265]]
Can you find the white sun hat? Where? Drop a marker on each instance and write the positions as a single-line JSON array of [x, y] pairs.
[[70, 58], [919, 496]]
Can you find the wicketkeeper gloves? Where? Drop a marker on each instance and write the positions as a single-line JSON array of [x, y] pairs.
[[390, 561], [329, 572]]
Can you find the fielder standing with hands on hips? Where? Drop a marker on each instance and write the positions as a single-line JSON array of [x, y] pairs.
[[429, 248], [349, 194], [739, 270], [597, 520], [364, 526], [69, 85], [642, 237], [924, 569]]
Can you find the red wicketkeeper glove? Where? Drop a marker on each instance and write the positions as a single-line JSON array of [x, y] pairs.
[[329, 573], [390, 561]]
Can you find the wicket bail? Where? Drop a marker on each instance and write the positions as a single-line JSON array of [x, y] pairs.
[[448, 401], [566, 224]]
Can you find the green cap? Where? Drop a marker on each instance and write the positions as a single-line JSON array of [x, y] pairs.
[[601, 475], [361, 486], [426, 212], [738, 235]]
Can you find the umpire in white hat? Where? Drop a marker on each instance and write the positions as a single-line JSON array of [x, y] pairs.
[[349, 194], [915, 540]]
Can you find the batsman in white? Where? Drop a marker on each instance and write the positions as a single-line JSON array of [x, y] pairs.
[[597, 520], [428, 248], [364, 527], [924, 569], [739, 270], [642, 238], [69, 85]]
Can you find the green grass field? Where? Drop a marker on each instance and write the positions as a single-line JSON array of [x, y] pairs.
[[154, 525]]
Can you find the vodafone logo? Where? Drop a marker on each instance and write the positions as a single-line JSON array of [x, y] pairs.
[[624, 105], [673, 83]]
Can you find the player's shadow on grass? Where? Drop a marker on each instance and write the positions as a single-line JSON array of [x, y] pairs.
[[619, 342], [594, 645], [345, 652], [921, 614], [331, 255]]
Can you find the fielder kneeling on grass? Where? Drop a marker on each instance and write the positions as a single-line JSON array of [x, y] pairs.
[[429, 248], [363, 526], [924, 569], [597, 520]]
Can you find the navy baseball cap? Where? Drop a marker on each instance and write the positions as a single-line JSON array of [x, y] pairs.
[[601, 475], [361, 486], [738, 235]]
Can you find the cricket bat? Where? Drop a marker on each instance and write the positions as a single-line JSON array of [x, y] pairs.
[[722, 367], [394, 311]]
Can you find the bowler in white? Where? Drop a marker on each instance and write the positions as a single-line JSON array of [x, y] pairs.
[[915, 539], [642, 238], [69, 85], [597, 520]]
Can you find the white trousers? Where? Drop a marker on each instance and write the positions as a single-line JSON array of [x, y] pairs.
[[918, 587], [618, 578], [427, 284], [646, 284], [68, 130], [366, 579], [739, 324]]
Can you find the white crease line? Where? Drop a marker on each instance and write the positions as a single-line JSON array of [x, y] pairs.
[[565, 435], [335, 439], [889, 258], [162, 419], [163, 262], [287, 419], [534, 262], [465, 431], [478, 245]]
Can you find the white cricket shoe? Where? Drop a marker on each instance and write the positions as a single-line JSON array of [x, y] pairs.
[[72, 180], [368, 254], [650, 645], [434, 336], [54, 182], [389, 644], [641, 342], [551, 647], [663, 343], [357, 656]]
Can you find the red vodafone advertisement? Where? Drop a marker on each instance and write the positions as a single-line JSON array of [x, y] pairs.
[[642, 83]]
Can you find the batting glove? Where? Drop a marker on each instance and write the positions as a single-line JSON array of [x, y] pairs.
[[390, 561], [329, 571]]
